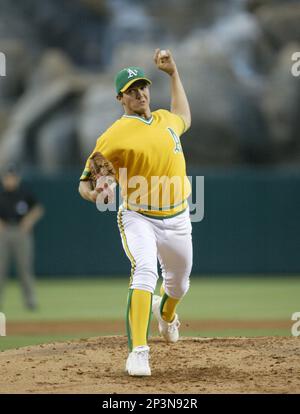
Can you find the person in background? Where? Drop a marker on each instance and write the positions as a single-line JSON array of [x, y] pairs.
[[19, 212]]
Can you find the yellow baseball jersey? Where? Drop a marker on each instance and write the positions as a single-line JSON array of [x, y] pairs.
[[149, 161]]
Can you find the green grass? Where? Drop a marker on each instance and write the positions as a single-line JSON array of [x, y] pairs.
[[242, 298], [214, 298], [221, 298]]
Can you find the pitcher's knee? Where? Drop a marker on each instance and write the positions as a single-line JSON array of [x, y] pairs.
[[177, 289], [144, 278]]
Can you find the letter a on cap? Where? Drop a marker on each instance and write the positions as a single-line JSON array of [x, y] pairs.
[[131, 73]]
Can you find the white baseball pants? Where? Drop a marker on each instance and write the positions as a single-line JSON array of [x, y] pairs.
[[169, 240]]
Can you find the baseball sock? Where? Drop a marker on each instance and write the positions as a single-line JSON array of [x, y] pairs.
[[168, 307], [138, 317]]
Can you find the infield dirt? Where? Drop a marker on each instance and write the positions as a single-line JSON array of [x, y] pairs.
[[192, 365]]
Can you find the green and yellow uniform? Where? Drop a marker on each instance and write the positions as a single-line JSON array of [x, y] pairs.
[[148, 148]]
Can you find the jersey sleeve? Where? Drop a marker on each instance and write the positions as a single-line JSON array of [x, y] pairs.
[[176, 122]]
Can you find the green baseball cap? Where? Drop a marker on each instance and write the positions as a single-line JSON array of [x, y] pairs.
[[128, 76]]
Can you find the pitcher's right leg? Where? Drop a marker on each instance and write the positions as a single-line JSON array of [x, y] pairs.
[[139, 242]]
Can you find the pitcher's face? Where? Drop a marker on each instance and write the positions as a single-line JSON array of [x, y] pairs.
[[136, 99]]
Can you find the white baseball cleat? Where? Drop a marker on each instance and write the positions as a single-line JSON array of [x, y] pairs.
[[137, 363], [169, 330]]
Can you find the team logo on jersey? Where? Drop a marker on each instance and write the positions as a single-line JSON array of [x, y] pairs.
[[178, 147], [131, 73], [22, 208]]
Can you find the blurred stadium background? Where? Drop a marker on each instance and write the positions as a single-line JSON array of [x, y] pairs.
[[57, 97]]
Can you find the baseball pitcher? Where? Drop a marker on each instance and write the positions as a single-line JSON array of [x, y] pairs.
[[143, 149]]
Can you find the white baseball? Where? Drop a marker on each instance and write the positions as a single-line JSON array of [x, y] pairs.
[[163, 53]]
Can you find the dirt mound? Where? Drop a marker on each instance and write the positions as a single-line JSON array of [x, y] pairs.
[[192, 365], [117, 327]]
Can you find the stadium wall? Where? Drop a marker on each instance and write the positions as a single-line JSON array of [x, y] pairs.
[[251, 225]]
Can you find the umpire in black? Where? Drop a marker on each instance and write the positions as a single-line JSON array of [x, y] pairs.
[[19, 212]]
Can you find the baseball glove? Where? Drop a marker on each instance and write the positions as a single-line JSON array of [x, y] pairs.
[[103, 176]]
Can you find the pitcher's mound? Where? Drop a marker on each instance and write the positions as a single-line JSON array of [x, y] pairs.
[[192, 365]]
